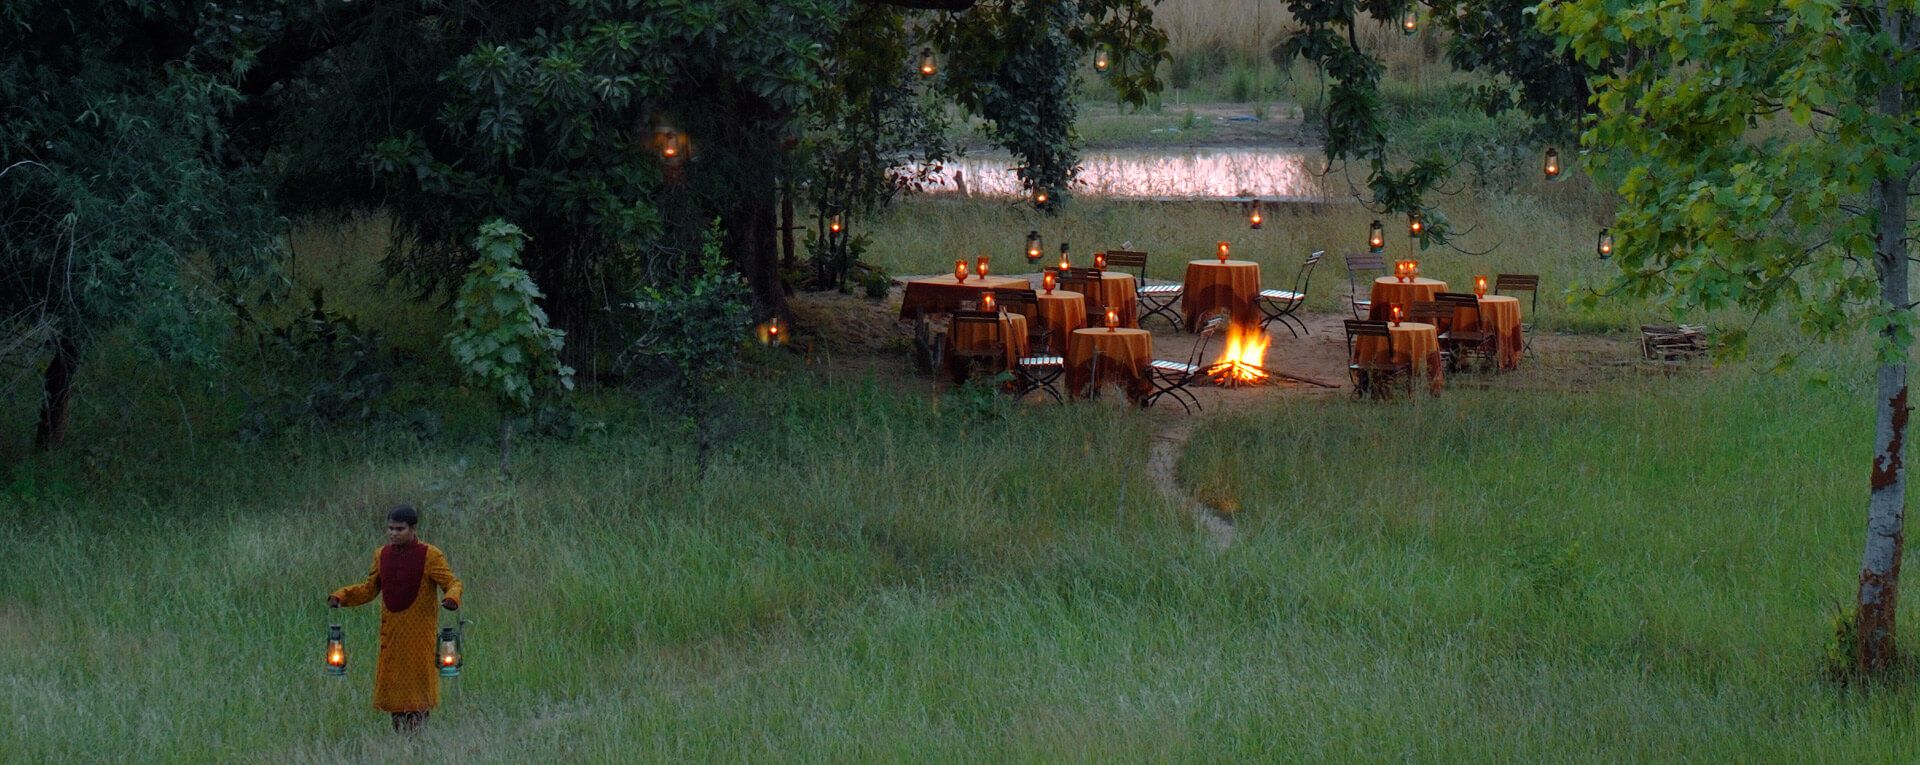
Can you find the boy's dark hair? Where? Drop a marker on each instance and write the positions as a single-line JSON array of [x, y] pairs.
[[404, 514]]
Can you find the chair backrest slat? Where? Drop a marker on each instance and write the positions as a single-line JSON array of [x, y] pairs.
[[1505, 283], [1430, 311], [1128, 259], [1367, 328]]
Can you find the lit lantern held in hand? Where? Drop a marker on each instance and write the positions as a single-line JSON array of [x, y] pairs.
[[960, 270], [980, 267], [449, 657], [1479, 285], [1113, 319], [1551, 166], [1376, 237], [1605, 245], [336, 656], [1220, 250], [1047, 280], [927, 65], [1033, 246]]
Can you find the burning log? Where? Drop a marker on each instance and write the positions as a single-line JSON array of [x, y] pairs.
[[1243, 361]]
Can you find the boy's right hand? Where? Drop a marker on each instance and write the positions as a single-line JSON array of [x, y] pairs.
[[333, 602]]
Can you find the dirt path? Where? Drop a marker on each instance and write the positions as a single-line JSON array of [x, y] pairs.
[[1163, 464]]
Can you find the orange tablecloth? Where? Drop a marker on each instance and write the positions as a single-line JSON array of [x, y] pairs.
[[1503, 312], [1412, 342], [1063, 312], [1211, 285], [944, 294], [1124, 355], [1013, 337], [1117, 292], [1388, 291]]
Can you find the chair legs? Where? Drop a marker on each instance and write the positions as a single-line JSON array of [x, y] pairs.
[[1169, 310], [1030, 381], [1178, 390]]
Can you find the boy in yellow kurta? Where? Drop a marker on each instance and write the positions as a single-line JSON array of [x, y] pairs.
[[405, 572]]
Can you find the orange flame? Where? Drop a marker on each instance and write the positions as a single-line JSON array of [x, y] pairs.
[[1245, 355]]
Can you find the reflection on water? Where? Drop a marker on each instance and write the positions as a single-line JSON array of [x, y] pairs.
[[1186, 173]]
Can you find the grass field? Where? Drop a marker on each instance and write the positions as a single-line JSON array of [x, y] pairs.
[[1644, 569]]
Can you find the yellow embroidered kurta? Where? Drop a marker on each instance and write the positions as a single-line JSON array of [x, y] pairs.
[[405, 678]]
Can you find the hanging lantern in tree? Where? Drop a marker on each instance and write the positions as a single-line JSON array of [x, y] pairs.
[[772, 332], [450, 657], [927, 65], [1065, 261], [1376, 237], [835, 226], [1416, 225], [1040, 197], [1254, 218], [1100, 59], [671, 143], [1552, 164], [1033, 246], [1605, 245], [1410, 23], [336, 656]]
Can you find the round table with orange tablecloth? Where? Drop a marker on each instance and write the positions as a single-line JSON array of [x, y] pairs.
[[1124, 356], [1503, 312], [975, 338], [944, 294], [1063, 311], [1116, 290], [1214, 284], [1390, 291], [1413, 342]]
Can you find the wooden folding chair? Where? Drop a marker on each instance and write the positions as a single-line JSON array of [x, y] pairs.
[[1460, 344], [1530, 283], [1171, 378], [992, 354], [1162, 300], [1086, 281], [1026, 303]]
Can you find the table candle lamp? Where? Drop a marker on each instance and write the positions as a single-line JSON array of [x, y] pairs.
[[1479, 286], [986, 300], [1396, 314], [1220, 249], [960, 270], [980, 267], [1113, 319], [1099, 261], [1047, 281]]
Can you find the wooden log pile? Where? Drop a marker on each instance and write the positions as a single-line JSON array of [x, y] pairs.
[[1669, 342]]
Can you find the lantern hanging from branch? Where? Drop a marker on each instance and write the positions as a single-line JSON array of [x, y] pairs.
[[1065, 263], [772, 332], [1410, 23], [1040, 197], [927, 65], [1416, 225], [1033, 246], [671, 143], [1101, 59], [1254, 218], [1551, 166], [336, 655], [1376, 237], [835, 225], [1605, 245]]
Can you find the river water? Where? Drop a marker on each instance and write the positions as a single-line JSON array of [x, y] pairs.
[[1225, 173]]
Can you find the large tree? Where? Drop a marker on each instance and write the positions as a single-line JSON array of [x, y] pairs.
[[119, 202], [1758, 179]]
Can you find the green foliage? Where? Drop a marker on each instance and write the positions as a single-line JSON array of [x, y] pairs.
[[500, 337], [121, 202], [981, 398], [324, 368], [690, 331], [1742, 173]]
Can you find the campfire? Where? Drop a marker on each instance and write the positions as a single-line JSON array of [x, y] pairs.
[[1243, 361]]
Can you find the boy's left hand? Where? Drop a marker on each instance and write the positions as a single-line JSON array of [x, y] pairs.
[[450, 604]]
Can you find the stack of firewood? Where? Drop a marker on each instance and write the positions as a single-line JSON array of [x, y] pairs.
[[1668, 342]]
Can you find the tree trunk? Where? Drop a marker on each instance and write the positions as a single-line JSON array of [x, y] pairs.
[[749, 243], [786, 224], [58, 400], [1879, 593], [506, 444]]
